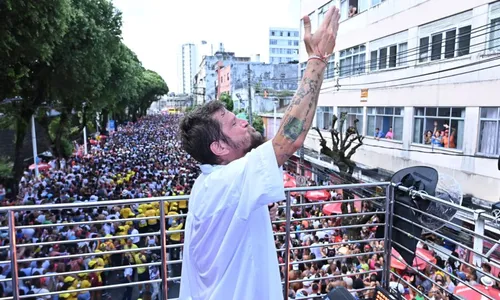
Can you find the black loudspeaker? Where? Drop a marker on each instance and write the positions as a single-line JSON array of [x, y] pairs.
[[419, 179], [339, 293]]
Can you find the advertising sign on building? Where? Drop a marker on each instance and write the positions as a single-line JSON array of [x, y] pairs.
[[364, 95]]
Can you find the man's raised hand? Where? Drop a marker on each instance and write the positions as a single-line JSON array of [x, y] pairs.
[[322, 42]]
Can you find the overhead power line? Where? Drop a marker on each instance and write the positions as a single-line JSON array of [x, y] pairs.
[[410, 52]]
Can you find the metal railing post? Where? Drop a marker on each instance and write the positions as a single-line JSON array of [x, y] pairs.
[[163, 241], [389, 205], [13, 255], [286, 273], [479, 224]]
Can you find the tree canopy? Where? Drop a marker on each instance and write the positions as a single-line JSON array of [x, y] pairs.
[[68, 55], [227, 100]]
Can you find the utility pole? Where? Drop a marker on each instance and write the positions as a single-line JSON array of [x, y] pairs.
[[250, 116], [33, 143], [301, 159]]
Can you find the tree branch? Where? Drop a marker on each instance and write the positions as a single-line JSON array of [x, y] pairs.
[[342, 121], [350, 143], [353, 150], [335, 138], [319, 133]]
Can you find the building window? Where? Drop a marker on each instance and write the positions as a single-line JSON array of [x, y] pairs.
[[302, 69], [376, 2], [295, 43], [324, 117], [273, 42], [344, 9], [403, 54], [495, 35], [272, 33], [454, 42], [296, 34], [352, 61], [353, 113], [363, 5], [494, 17], [489, 131], [288, 33], [439, 126], [322, 11], [281, 33], [388, 57], [314, 21], [388, 121], [330, 69]]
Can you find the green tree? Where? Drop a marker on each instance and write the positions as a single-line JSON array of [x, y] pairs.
[[151, 88], [258, 123], [5, 167], [62, 54], [120, 89], [81, 65], [29, 33], [226, 98]]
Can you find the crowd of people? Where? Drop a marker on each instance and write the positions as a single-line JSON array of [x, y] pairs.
[[139, 160], [145, 159], [324, 257]]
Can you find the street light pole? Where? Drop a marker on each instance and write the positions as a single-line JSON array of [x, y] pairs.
[[33, 142], [274, 117], [85, 151], [85, 139], [250, 113]]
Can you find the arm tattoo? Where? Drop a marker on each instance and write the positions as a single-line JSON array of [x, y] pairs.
[[293, 128], [309, 86]]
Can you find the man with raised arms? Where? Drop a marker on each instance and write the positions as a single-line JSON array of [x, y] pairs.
[[229, 251]]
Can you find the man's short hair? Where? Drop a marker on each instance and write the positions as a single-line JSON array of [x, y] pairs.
[[199, 129]]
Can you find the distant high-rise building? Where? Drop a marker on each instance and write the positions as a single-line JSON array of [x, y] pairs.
[[283, 45], [187, 66]]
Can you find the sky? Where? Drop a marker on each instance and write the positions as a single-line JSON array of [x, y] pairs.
[[155, 29]]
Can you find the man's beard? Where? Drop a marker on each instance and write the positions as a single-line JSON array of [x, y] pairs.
[[256, 139]]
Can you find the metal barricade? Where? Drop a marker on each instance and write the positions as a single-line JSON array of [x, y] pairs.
[[441, 276], [13, 248], [348, 220]]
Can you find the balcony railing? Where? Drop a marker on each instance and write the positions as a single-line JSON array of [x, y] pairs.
[[382, 204]]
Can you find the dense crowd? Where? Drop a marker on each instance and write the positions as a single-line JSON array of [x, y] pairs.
[[145, 159], [139, 160], [324, 257]]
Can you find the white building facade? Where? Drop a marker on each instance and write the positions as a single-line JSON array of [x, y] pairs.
[[414, 67], [283, 45], [187, 67]]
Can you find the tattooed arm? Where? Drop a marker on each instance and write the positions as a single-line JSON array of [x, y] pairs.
[[300, 114]]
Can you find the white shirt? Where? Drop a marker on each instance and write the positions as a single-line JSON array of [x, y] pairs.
[[135, 239], [316, 249], [229, 250]]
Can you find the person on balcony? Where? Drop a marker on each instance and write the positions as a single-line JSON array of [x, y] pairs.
[[389, 135], [229, 250]]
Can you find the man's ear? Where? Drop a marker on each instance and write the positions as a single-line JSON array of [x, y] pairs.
[[219, 148]]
